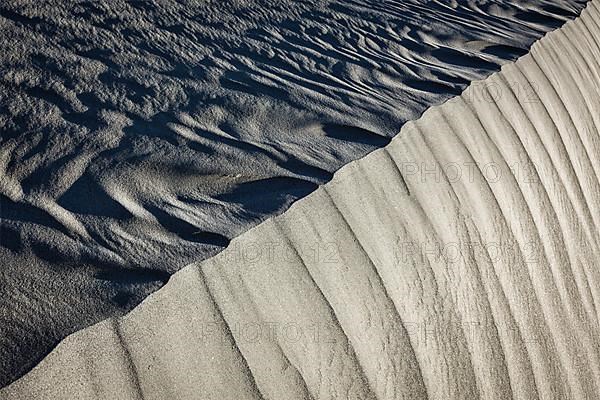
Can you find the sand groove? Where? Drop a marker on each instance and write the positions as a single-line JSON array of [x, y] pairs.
[[458, 262]]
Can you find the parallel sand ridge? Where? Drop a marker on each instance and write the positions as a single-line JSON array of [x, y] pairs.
[[137, 137], [458, 262]]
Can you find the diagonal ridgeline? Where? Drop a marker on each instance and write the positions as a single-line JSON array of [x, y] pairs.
[[457, 262]]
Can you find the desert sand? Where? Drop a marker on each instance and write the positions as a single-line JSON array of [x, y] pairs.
[[139, 137], [460, 261]]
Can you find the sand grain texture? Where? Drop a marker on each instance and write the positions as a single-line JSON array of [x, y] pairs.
[[138, 137], [458, 262]]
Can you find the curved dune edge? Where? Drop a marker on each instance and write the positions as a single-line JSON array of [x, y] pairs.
[[460, 261], [141, 136]]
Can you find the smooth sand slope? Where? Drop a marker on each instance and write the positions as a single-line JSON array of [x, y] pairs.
[[458, 262], [141, 136]]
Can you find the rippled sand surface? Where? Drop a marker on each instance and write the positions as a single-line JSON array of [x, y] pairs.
[[139, 137]]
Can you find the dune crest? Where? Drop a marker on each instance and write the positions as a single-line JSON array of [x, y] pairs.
[[458, 262], [138, 137]]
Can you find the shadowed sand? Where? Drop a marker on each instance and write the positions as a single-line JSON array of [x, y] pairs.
[[458, 262], [141, 136]]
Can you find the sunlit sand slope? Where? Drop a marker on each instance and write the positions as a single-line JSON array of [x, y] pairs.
[[458, 262], [137, 137]]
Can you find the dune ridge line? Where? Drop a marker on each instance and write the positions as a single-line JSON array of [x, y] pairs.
[[458, 262], [138, 137]]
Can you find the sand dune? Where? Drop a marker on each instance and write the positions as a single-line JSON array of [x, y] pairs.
[[458, 262], [141, 136]]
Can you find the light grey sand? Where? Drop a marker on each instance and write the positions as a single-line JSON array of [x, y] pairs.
[[459, 262], [141, 136]]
